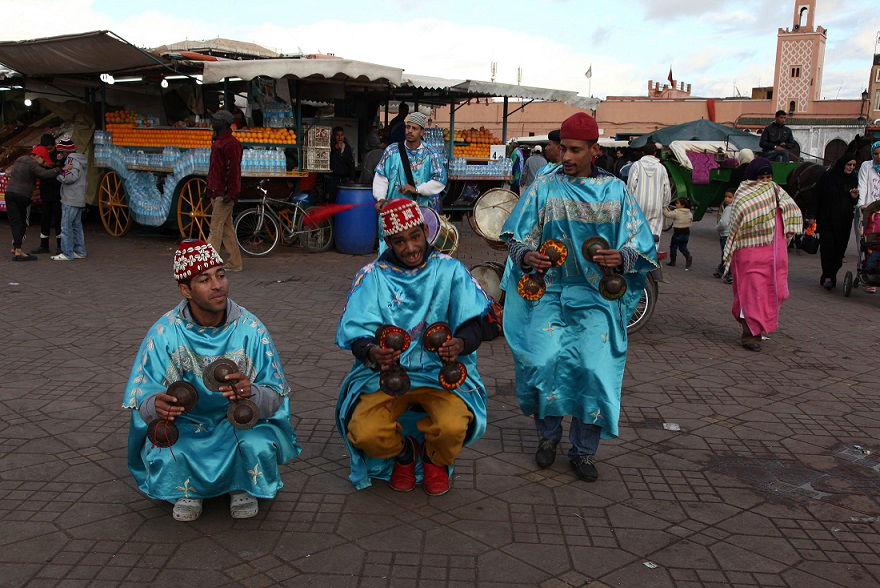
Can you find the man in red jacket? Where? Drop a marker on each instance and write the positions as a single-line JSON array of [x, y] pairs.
[[224, 187]]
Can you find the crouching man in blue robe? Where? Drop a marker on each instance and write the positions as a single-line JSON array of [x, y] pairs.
[[406, 433], [184, 449]]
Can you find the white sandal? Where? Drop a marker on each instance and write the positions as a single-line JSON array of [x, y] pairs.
[[187, 509], [242, 505]]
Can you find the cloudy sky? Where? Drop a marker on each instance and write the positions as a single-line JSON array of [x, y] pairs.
[[716, 46]]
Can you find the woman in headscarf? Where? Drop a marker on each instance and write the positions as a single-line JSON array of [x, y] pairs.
[[834, 215], [869, 178], [762, 219]]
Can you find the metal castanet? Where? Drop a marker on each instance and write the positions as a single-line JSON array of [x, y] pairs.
[[393, 381], [612, 285], [185, 394], [453, 373], [215, 374], [532, 286], [162, 433], [242, 413]]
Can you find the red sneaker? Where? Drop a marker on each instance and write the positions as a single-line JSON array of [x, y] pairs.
[[435, 480]]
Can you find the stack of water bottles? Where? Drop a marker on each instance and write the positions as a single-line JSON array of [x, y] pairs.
[[498, 168], [433, 138], [277, 115], [102, 137], [262, 162]]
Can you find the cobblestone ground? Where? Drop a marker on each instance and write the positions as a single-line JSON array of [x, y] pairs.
[[761, 486]]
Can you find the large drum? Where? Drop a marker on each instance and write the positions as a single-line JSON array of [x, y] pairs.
[[490, 212], [442, 234], [489, 276]]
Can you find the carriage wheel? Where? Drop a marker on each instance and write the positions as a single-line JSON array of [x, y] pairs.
[[193, 209], [112, 208]]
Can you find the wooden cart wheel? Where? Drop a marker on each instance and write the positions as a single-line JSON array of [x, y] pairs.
[[193, 209], [112, 208]]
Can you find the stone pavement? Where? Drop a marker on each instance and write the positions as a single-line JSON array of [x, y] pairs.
[[761, 486]]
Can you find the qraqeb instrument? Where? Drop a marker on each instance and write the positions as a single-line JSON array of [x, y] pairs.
[[532, 286], [453, 373], [442, 234], [393, 381], [490, 213], [242, 413], [164, 433], [612, 285]]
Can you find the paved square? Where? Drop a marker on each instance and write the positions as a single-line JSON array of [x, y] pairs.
[[762, 485]]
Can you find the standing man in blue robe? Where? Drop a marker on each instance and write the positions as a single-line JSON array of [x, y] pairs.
[[410, 287], [209, 457], [570, 345]]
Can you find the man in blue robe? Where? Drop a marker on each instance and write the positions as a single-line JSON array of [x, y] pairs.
[[209, 456], [428, 171], [410, 287], [570, 345]]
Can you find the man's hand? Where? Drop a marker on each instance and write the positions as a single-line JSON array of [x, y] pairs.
[[854, 193], [536, 261], [407, 189], [385, 358], [780, 147], [451, 349], [380, 204], [608, 257], [166, 408], [239, 387]]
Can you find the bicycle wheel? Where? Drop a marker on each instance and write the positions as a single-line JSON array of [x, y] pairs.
[[645, 307], [316, 239], [256, 232]]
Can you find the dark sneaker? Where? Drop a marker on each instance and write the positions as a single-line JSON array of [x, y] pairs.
[[39, 250], [546, 453], [584, 468], [689, 262], [670, 263]]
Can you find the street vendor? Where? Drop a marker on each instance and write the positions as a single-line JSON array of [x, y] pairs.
[[224, 187], [568, 336], [185, 452], [409, 291], [27, 169]]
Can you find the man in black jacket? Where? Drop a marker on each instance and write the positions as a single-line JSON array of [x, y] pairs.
[[777, 140]]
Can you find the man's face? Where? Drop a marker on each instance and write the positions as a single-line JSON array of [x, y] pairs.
[[781, 119], [40, 159], [576, 156], [410, 246], [339, 136], [208, 290], [551, 152], [413, 132]]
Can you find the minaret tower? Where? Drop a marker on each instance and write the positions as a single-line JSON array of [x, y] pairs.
[[800, 58]]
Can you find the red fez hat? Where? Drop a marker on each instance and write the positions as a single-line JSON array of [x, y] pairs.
[[42, 152], [580, 126], [194, 257], [400, 215]]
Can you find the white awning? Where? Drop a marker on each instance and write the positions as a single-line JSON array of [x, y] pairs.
[[477, 88], [429, 82], [681, 148], [338, 69]]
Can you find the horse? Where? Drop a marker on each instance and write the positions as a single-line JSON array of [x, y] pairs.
[[801, 182]]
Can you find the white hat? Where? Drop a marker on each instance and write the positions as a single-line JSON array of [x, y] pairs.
[[537, 149]]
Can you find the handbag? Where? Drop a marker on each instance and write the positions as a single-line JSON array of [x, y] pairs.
[[808, 243]]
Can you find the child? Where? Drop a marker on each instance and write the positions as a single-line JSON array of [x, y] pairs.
[[682, 217], [73, 202], [723, 228]]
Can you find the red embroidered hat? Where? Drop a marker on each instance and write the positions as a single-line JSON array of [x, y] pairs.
[[194, 257], [580, 126], [400, 215]]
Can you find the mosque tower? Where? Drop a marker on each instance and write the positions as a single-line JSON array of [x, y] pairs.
[[800, 58]]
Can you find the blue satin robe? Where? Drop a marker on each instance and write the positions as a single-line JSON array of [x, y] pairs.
[[570, 347], [210, 458], [441, 289]]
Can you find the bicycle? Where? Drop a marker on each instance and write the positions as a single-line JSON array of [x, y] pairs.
[[259, 229]]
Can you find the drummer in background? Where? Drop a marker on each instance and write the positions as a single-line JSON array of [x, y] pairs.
[[570, 346], [410, 286], [427, 177]]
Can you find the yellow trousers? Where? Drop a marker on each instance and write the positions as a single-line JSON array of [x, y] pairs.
[[374, 429]]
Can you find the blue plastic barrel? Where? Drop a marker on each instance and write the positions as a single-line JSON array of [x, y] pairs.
[[355, 229]]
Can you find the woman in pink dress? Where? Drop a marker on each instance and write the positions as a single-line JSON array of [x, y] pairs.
[[763, 218]]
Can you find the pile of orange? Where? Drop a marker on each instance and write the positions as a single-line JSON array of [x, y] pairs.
[[127, 135], [266, 135], [473, 150], [121, 116], [481, 136]]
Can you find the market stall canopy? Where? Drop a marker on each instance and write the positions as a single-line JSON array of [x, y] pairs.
[[96, 52], [217, 47], [700, 130], [481, 89], [337, 69], [680, 149]]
